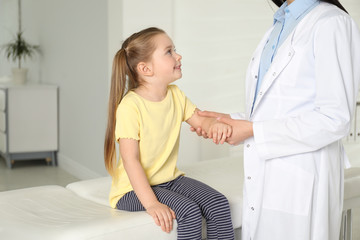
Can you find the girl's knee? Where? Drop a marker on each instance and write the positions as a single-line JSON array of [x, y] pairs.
[[215, 203], [219, 199], [189, 210]]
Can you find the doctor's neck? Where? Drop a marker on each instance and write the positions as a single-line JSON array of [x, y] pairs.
[[289, 1]]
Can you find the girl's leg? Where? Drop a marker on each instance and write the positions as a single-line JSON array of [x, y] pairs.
[[188, 214], [214, 206]]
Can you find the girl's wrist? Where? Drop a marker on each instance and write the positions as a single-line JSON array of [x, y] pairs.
[[149, 204]]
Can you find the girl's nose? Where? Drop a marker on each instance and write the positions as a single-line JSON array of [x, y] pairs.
[[178, 57]]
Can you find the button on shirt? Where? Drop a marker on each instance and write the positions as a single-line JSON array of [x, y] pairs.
[[285, 20]]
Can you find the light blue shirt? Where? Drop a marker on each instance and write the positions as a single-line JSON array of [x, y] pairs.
[[285, 20]]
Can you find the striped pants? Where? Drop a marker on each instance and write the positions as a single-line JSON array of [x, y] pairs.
[[190, 200]]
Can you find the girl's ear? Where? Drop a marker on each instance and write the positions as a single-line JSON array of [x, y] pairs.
[[144, 69]]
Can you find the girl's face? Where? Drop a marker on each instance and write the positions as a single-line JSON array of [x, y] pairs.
[[165, 61]]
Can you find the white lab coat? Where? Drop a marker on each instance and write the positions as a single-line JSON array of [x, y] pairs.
[[293, 166]]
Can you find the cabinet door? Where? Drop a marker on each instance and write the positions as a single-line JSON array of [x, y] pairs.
[[2, 99], [3, 142], [32, 116], [2, 121]]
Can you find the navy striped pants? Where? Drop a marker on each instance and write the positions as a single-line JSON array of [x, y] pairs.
[[190, 200]]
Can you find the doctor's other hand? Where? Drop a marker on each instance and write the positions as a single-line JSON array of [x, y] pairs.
[[242, 130]]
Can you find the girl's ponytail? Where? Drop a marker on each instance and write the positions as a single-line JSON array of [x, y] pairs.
[[117, 91]]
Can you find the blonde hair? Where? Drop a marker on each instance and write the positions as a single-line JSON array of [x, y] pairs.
[[139, 47]]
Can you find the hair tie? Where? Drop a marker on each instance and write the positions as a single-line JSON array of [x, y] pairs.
[[124, 49]]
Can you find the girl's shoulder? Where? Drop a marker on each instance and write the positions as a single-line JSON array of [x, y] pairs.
[[175, 90], [130, 100], [131, 97]]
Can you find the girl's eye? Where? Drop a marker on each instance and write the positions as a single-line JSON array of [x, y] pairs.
[[171, 51]]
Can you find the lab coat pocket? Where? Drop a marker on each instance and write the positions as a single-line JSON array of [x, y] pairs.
[[287, 188]]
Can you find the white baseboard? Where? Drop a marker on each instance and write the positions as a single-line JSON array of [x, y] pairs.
[[76, 169]]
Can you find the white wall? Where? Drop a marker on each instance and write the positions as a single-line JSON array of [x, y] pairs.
[[79, 39], [216, 42], [74, 39]]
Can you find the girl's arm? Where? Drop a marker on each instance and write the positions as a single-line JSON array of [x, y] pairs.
[[218, 131], [162, 214]]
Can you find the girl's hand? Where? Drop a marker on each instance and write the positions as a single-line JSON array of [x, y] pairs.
[[162, 215], [219, 132], [199, 131]]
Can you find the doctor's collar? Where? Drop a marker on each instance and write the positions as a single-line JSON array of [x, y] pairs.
[[295, 9]]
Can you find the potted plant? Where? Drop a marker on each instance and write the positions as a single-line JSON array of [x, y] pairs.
[[18, 50]]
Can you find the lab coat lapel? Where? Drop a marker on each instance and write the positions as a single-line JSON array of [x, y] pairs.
[[254, 71], [251, 88], [284, 55]]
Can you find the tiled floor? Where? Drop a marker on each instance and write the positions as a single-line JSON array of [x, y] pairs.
[[36, 173]]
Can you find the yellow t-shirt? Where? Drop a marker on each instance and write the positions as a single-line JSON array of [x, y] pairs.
[[156, 125]]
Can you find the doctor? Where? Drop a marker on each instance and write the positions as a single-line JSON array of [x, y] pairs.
[[301, 89]]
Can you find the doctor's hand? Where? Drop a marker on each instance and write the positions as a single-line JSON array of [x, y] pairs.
[[242, 130], [199, 131], [213, 114]]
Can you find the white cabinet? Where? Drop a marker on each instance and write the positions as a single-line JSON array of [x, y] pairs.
[[28, 122]]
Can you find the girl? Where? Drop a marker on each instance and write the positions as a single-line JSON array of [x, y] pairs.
[[145, 116], [302, 85]]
